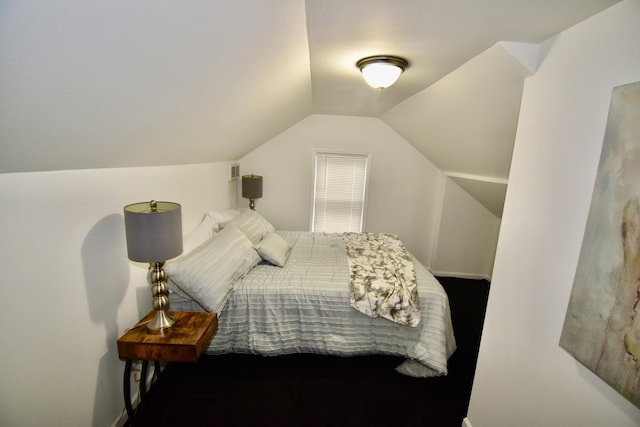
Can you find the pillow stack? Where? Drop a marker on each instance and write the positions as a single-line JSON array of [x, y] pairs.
[[224, 247], [252, 224], [207, 273], [208, 227], [271, 247]]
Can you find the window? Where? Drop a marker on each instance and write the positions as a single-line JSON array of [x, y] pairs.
[[339, 192]]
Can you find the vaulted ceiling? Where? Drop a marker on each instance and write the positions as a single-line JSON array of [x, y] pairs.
[[135, 83]]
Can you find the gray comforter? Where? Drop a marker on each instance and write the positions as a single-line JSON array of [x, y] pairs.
[[304, 308]]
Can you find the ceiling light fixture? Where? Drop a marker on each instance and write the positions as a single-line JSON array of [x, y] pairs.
[[381, 71]]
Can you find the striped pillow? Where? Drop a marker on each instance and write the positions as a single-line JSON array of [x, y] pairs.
[[252, 224], [207, 273]]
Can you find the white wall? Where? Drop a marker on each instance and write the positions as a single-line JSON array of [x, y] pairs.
[[403, 184], [444, 227], [523, 377], [68, 290], [467, 236]]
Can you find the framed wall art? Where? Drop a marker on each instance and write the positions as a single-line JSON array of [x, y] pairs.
[[602, 324]]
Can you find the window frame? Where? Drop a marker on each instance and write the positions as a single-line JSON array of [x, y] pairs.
[[353, 153]]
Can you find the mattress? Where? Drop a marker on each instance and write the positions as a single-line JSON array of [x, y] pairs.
[[304, 307]]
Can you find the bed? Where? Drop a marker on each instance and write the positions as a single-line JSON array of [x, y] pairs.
[[279, 292]]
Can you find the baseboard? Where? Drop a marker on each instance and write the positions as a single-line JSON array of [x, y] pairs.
[[121, 420], [466, 422], [462, 275]]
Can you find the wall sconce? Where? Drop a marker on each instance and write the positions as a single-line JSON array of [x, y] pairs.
[[381, 71], [154, 235], [252, 188]]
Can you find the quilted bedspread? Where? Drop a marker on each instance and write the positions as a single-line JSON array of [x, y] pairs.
[[304, 307]]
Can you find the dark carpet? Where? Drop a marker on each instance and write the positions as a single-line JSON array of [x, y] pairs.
[[315, 390]]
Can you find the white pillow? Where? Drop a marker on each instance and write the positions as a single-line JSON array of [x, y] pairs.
[[274, 249], [203, 232], [222, 216], [252, 224], [207, 273]]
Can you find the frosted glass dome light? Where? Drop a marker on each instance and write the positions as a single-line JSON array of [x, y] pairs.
[[380, 72]]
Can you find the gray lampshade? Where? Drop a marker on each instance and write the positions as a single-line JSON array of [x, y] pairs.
[[154, 231], [251, 186]]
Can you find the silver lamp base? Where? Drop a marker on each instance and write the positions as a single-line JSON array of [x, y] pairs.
[[162, 321]]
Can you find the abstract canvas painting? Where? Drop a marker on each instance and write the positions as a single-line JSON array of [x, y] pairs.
[[602, 324]]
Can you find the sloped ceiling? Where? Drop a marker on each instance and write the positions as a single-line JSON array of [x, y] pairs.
[[112, 83], [466, 122], [117, 83]]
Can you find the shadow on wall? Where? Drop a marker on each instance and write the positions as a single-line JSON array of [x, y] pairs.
[[106, 274]]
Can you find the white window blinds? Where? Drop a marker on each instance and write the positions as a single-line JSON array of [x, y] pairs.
[[339, 196]]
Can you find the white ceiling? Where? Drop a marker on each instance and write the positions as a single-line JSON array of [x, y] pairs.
[[119, 83]]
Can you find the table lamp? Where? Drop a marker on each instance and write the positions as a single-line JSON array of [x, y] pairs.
[[252, 188], [154, 235]]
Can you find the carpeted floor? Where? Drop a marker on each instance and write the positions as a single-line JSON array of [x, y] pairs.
[[314, 390]]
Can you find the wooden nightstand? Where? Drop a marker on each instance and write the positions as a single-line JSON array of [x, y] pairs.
[[185, 341]]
